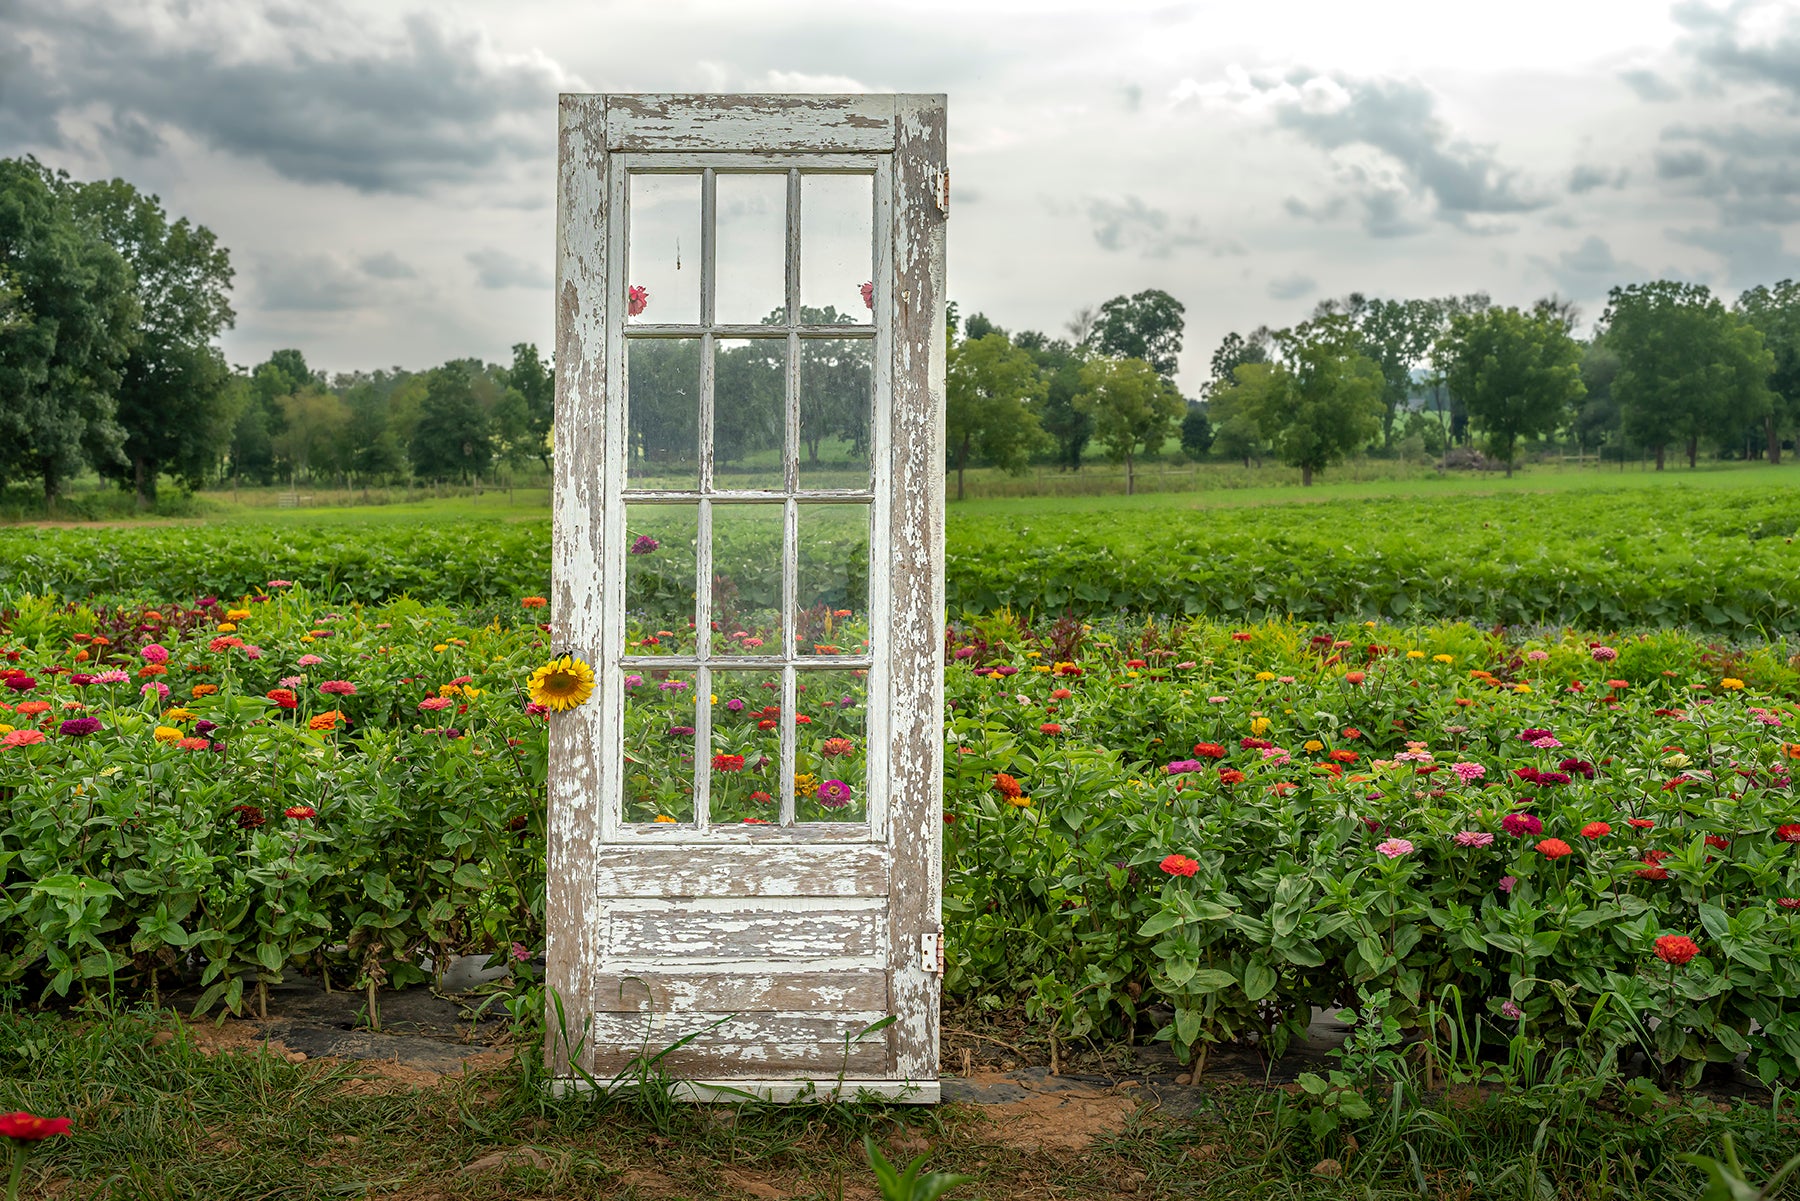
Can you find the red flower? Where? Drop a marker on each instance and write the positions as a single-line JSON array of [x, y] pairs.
[[1050, 727], [1342, 756], [1353, 677], [29, 1128], [1209, 750], [637, 299], [1788, 902], [1640, 823], [1789, 832], [1231, 775], [761, 797], [767, 723], [1676, 949], [727, 763], [1135, 663], [1554, 848], [1352, 732], [300, 812], [1717, 843], [1007, 787], [1596, 830], [1255, 744], [1241, 636], [1180, 865], [248, 816], [284, 697], [1521, 824], [1650, 870], [1061, 694]]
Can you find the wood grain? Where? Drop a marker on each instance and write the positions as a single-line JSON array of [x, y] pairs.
[[650, 933], [726, 1045], [781, 870], [750, 123], [737, 992]]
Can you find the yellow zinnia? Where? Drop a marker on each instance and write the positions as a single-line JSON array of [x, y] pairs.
[[562, 683], [168, 734], [1730, 684]]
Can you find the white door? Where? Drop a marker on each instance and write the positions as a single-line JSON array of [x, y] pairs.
[[745, 819]]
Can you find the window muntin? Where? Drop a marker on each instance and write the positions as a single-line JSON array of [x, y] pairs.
[[771, 517]]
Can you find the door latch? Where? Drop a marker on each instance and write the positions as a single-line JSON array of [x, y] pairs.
[[931, 954]]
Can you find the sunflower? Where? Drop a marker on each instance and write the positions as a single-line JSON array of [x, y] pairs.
[[562, 683]]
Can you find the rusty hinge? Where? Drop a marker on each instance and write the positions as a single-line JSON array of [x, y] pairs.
[[941, 188], [931, 954]]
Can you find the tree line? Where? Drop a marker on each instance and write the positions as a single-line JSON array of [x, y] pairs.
[[1669, 366]]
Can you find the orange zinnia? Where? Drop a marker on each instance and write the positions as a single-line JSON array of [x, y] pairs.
[[1007, 787], [327, 720]]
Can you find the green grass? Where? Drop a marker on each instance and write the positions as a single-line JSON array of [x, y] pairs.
[[159, 1117]]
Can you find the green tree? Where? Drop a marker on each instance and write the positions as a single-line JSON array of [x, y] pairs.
[[1775, 314], [1688, 368], [73, 318], [451, 440], [1518, 373], [371, 452], [174, 396], [536, 384], [1060, 364], [1235, 350], [1319, 402], [1196, 431], [1597, 419], [1134, 409], [1146, 326], [990, 390]]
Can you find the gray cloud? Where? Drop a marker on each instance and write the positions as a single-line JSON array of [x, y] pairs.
[[1586, 272], [1649, 85], [387, 265], [314, 96], [1292, 287], [1733, 44], [1680, 164], [1131, 225], [308, 283], [496, 268], [1751, 254], [1586, 177], [1456, 179]]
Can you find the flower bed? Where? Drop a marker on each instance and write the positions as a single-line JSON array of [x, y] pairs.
[[1197, 833]]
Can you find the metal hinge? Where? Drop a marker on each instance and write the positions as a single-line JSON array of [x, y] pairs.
[[941, 187], [931, 954]]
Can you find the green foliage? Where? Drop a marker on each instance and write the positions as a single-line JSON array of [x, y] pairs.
[[1774, 312], [1144, 326], [1688, 368], [1196, 431], [1060, 364], [1518, 374], [1133, 408], [989, 398], [913, 1184], [1317, 405], [451, 440], [73, 320]]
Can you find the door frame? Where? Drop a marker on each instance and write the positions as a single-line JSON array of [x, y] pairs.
[[598, 135]]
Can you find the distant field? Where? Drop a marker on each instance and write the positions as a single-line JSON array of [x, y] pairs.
[[1710, 549]]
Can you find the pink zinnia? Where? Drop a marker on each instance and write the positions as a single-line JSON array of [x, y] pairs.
[[1474, 838], [1507, 882], [155, 653], [1603, 654], [281, 584], [868, 295], [1393, 848], [834, 794], [1547, 742], [338, 688], [1521, 824], [22, 738], [432, 703], [1510, 1010], [111, 677], [307, 660], [1468, 773], [157, 686]]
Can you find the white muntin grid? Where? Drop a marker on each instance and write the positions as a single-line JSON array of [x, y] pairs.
[[703, 662]]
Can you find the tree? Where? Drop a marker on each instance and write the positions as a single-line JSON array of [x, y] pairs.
[[1688, 368], [1196, 431], [536, 383], [1236, 351], [313, 423], [174, 397], [977, 326], [1518, 373], [1146, 326], [451, 440], [989, 392], [1060, 365], [1597, 418], [1321, 401], [1775, 314], [371, 451], [72, 321], [1133, 407]]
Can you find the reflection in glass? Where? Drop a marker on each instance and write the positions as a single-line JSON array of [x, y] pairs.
[[831, 603], [664, 251], [837, 217], [659, 746], [746, 747], [659, 578], [836, 411], [746, 583], [831, 746], [662, 428], [749, 412], [750, 256]]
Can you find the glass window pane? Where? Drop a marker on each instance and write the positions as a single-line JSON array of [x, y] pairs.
[[831, 747], [662, 428], [746, 584], [659, 578], [837, 218], [664, 252], [749, 412], [750, 257], [746, 747], [831, 603], [659, 747], [837, 389]]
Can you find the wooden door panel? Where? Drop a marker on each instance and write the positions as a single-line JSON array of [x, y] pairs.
[[806, 991], [743, 1046], [849, 870], [804, 931]]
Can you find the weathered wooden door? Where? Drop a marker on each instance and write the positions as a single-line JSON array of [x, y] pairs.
[[745, 819]]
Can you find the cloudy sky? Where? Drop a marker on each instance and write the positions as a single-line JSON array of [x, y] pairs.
[[383, 172]]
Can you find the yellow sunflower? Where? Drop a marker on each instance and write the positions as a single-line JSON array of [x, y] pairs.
[[561, 683]]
